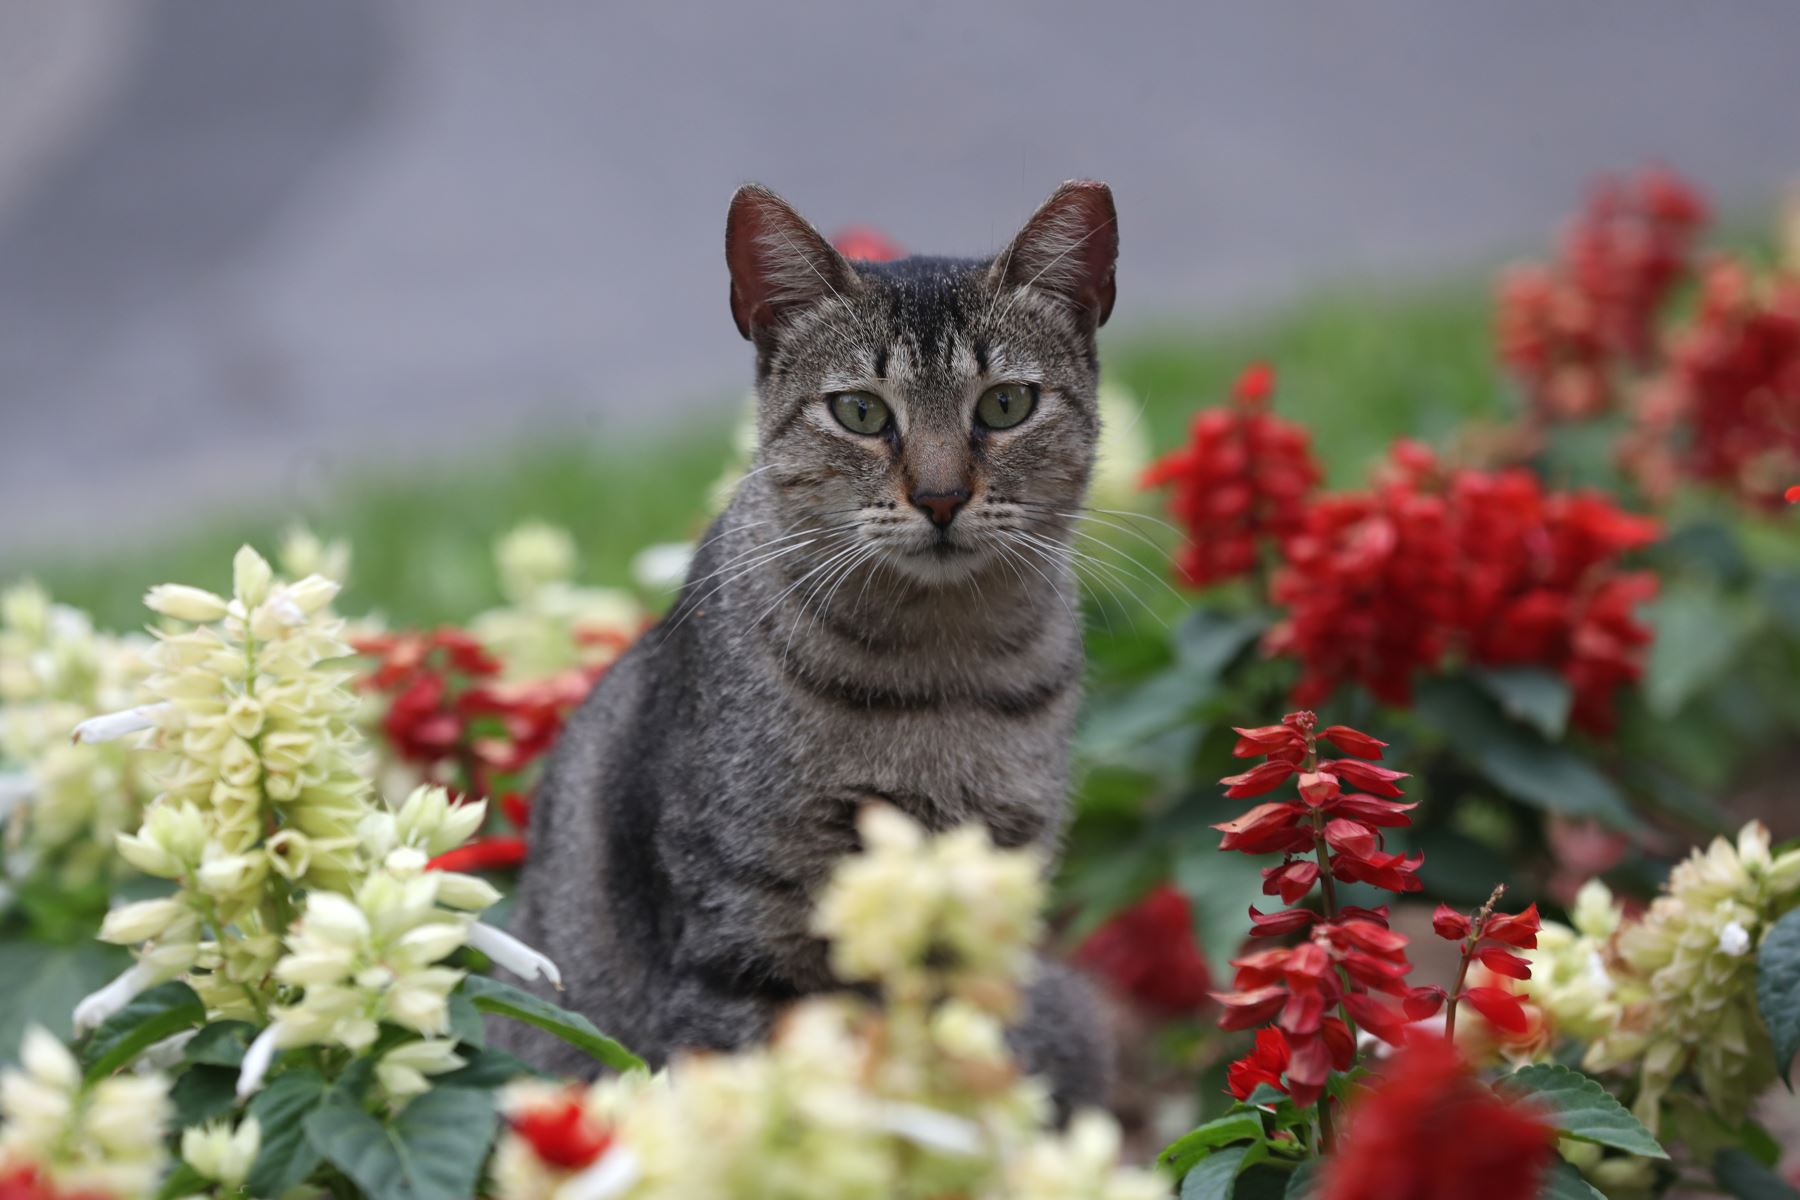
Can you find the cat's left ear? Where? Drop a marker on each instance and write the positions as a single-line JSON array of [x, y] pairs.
[[778, 262], [1068, 249]]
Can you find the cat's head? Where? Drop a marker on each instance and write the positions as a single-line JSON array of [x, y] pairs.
[[938, 413]]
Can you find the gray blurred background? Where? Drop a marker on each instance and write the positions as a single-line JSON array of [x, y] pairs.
[[245, 247]]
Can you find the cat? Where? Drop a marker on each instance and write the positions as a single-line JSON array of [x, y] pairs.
[[884, 611]]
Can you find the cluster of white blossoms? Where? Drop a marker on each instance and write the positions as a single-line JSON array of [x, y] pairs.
[[1675, 991], [61, 804], [914, 1097], [550, 624], [72, 1138], [302, 904]]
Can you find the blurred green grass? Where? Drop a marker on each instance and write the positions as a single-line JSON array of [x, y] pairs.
[[1358, 368]]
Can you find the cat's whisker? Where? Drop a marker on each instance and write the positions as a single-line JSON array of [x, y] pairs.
[[1114, 573], [807, 608], [697, 605]]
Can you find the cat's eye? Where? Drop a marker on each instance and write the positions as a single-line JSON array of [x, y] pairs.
[[1005, 405], [860, 412]]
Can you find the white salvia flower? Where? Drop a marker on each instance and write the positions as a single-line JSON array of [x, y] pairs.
[[95, 1007], [192, 604], [100, 1139], [251, 576], [612, 1175], [257, 1059], [112, 726], [1734, 940], [402, 1071], [220, 1153], [514, 955], [143, 920]]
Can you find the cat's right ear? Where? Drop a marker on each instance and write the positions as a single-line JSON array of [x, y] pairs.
[[778, 262]]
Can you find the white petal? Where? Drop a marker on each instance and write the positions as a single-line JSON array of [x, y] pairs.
[[164, 1054], [111, 726], [930, 1128], [97, 1006], [611, 1175], [256, 1063], [513, 954], [1734, 940]]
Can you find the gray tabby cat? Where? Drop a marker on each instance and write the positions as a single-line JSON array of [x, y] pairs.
[[885, 611]]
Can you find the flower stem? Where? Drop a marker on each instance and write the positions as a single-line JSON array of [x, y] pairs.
[[1468, 956]]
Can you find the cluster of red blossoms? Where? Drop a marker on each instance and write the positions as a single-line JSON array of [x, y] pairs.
[[1384, 583], [560, 1132], [1726, 410], [451, 715], [1565, 329], [1349, 957], [1313, 989], [28, 1183], [1148, 952], [1239, 484]]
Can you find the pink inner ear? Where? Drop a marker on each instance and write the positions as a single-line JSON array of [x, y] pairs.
[[1070, 246], [776, 259]]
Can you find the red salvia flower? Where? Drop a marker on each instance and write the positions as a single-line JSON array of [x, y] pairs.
[[1264, 1064], [562, 1134], [1429, 1130], [1148, 952], [865, 243], [1241, 482]]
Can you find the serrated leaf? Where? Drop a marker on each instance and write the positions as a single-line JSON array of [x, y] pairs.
[[503, 999], [432, 1151], [1582, 1109], [1742, 1176], [163, 1011], [1215, 1176], [1181, 1154], [40, 985], [1778, 989], [202, 1094], [285, 1157], [220, 1045], [1564, 1182], [1534, 696]]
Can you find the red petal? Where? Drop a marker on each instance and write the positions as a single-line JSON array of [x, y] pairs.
[[1387, 1023], [1275, 924], [1423, 1002], [1266, 829], [1504, 962], [1369, 935], [1265, 777], [1265, 740], [483, 854], [1500, 1007], [1373, 810], [1519, 930], [1367, 776], [1247, 1010], [1351, 837], [1449, 924], [1360, 745]]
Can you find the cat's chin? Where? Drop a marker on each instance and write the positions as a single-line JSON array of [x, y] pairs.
[[940, 563]]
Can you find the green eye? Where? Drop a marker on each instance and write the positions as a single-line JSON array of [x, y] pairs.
[[1005, 405], [860, 412]]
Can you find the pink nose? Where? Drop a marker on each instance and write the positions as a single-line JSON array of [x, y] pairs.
[[940, 506]]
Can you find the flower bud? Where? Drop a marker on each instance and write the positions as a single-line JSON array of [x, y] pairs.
[[140, 921], [185, 603], [470, 893], [220, 1154], [250, 577]]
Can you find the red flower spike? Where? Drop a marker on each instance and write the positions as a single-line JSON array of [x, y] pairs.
[[1449, 924], [1148, 952], [562, 1135], [1264, 777], [1255, 384], [1428, 1130], [1501, 1008], [1519, 930], [1264, 1064], [1424, 1002], [1504, 962], [1358, 745]]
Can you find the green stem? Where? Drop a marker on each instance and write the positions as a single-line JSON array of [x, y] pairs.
[[1468, 956]]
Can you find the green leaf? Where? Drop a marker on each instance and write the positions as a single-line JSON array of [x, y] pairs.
[[1265, 1095], [1582, 1109], [1698, 635], [1742, 1176], [1564, 1182], [490, 995], [202, 1094], [163, 1011], [1118, 722], [466, 1023], [1220, 888], [183, 1180], [1215, 1177], [1519, 762], [286, 1157], [486, 1069], [432, 1151], [1536, 697], [1303, 1184], [40, 984], [1778, 989], [1181, 1154], [221, 1045], [1208, 641]]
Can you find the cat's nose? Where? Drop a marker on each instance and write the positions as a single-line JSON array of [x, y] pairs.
[[940, 506]]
